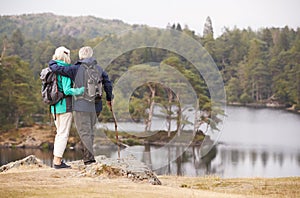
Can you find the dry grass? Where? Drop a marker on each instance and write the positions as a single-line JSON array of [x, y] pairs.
[[270, 187], [47, 182]]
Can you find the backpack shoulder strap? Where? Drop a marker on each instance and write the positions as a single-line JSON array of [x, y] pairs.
[[84, 65]]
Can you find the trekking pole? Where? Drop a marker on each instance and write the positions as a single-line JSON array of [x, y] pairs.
[[116, 129]]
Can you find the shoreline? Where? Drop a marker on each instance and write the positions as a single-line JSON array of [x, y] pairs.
[[264, 105], [41, 136]]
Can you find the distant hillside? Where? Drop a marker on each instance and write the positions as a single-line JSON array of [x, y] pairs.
[[40, 26]]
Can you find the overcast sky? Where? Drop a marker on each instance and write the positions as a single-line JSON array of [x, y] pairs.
[[158, 13]]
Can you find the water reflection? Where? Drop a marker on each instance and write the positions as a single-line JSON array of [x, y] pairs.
[[224, 160], [238, 161]]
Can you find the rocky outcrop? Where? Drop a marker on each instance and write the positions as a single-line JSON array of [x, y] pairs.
[[127, 167], [104, 167], [29, 161]]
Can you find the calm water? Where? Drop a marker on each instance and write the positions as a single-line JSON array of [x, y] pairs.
[[253, 143]]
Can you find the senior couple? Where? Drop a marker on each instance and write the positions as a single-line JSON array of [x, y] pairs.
[[71, 81]]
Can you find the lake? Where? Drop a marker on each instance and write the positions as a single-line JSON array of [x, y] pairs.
[[254, 142]]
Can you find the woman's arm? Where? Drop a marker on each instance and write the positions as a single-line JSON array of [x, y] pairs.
[[68, 90]]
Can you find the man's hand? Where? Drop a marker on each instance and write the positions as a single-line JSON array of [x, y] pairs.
[[109, 105]]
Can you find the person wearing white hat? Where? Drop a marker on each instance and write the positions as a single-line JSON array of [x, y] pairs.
[[62, 111]]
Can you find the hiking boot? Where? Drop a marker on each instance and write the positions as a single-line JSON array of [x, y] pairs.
[[62, 165], [89, 162]]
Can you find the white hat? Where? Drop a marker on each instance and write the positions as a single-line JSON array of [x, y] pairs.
[[61, 50]]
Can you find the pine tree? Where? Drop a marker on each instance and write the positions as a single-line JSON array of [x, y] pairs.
[[208, 29], [178, 27]]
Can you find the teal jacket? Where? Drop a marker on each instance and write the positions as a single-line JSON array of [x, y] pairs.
[[65, 85]]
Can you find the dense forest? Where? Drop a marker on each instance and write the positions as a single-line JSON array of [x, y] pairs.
[[258, 67]]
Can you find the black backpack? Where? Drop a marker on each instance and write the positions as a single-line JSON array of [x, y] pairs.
[[50, 93], [92, 83]]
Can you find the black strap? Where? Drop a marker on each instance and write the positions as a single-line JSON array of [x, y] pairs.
[[50, 116], [54, 111]]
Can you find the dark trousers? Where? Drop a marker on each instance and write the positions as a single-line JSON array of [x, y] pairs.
[[85, 123]]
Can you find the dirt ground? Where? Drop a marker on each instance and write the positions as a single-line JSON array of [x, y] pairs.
[[48, 182]]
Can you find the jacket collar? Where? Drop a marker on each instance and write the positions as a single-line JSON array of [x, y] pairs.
[[87, 61]]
